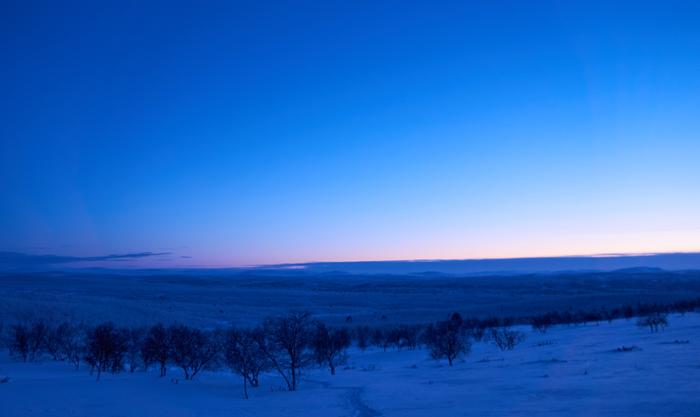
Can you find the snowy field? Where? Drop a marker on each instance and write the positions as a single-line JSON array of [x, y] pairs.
[[212, 301], [569, 371]]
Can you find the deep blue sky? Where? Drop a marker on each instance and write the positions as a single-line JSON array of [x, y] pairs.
[[245, 133]]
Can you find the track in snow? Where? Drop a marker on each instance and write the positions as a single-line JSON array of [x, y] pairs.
[[361, 408]]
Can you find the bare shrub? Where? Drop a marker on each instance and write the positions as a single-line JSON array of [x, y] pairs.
[[28, 341], [654, 321], [393, 338], [402, 336], [135, 340], [479, 328], [542, 323], [38, 332], [106, 347], [191, 349], [74, 344], [56, 339], [505, 338], [362, 336], [330, 346], [19, 341], [156, 348], [447, 339], [408, 336], [380, 338]]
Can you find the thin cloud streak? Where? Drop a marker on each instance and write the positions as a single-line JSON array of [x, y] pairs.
[[25, 260]]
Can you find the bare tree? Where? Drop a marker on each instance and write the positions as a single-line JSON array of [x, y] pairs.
[[19, 341], [475, 328], [505, 338], [56, 338], [409, 336], [156, 348], [191, 349], [74, 344], [286, 345], [447, 339], [135, 339], [393, 337], [542, 323], [362, 336], [244, 356], [38, 333], [330, 346], [106, 347], [654, 321], [380, 338], [28, 341]]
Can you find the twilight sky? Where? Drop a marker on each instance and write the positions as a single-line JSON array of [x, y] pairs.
[[248, 133]]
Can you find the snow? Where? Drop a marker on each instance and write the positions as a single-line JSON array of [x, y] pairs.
[[213, 301], [572, 371]]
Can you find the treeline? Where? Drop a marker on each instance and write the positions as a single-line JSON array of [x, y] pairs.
[[287, 344], [642, 310]]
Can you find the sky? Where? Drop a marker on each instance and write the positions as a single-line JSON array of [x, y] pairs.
[[243, 133]]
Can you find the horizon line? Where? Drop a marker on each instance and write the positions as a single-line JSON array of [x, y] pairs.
[[305, 265]]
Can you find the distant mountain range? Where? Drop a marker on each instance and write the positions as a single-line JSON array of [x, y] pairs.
[[637, 263]]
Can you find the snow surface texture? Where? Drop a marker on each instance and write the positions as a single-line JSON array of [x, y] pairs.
[[571, 371]]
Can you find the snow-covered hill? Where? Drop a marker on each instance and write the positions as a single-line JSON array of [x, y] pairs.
[[569, 371]]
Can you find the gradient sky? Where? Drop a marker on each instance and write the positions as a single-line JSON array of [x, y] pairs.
[[247, 133]]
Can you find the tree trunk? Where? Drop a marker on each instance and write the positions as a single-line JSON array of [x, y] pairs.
[[245, 388], [283, 374]]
